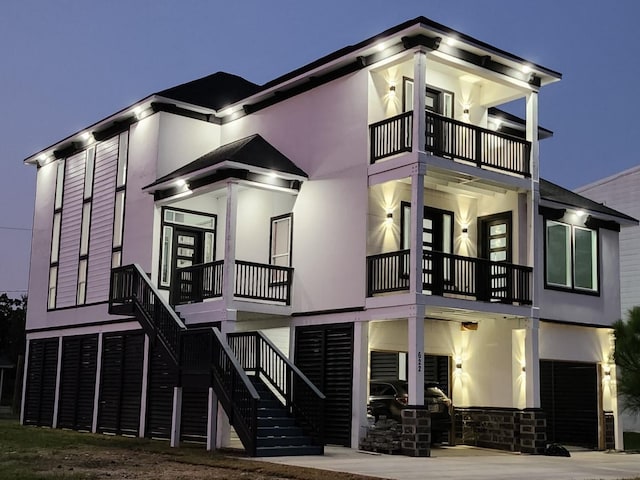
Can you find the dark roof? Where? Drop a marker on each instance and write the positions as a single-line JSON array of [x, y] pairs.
[[555, 193], [251, 151], [213, 91], [517, 123]]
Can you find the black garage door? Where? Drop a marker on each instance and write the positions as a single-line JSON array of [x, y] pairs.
[[163, 377], [569, 399], [324, 353]]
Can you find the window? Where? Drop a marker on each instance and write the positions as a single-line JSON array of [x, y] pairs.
[[55, 236], [571, 257], [118, 214], [280, 241]]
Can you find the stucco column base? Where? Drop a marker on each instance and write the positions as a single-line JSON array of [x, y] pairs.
[[533, 431], [416, 431]]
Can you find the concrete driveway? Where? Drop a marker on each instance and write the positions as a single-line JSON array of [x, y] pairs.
[[472, 463]]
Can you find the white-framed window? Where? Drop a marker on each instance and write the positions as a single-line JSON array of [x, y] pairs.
[[54, 254], [120, 197], [571, 256], [280, 240]]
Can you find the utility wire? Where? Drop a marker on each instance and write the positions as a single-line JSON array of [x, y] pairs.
[[15, 228]]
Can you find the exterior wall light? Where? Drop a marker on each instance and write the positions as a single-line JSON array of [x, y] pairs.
[[524, 368], [526, 69], [465, 233], [392, 89], [459, 366], [389, 218]]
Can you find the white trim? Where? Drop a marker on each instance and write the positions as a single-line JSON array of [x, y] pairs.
[[56, 401], [25, 374], [176, 417], [212, 420], [96, 392], [143, 393]]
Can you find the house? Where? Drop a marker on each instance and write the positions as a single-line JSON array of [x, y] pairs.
[[620, 191], [222, 253]]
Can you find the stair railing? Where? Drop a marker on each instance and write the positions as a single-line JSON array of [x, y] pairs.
[[235, 391], [258, 355], [131, 292]]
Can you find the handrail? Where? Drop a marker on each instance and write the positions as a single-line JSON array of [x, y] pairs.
[[130, 285], [235, 391], [304, 400]]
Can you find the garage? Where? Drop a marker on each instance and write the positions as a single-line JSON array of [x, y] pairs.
[[569, 399]]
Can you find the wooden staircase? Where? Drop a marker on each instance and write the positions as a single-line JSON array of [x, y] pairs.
[[273, 407]]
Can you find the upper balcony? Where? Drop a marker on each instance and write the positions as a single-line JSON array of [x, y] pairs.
[[452, 139], [460, 121]]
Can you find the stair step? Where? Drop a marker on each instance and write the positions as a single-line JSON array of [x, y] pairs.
[[272, 412], [269, 403], [276, 422], [289, 451], [283, 441], [277, 431]]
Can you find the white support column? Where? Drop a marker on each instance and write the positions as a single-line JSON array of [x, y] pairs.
[[415, 331], [176, 416], [1, 381], [532, 134], [25, 374], [145, 384], [360, 381], [532, 362], [230, 243], [417, 215], [96, 392], [419, 91], [223, 427], [212, 420], [56, 401]]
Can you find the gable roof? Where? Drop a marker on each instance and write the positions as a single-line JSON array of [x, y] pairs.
[[251, 151], [213, 91], [555, 193]]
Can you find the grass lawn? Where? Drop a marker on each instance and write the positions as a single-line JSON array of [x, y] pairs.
[[34, 453]]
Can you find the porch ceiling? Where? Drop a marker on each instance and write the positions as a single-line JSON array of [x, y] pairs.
[[460, 315]]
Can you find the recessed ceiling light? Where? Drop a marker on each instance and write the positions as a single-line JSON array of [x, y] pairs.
[[526, 69]]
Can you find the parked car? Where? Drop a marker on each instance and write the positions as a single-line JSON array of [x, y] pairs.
[[387, 397]]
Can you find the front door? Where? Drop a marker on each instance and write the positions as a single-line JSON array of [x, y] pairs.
[[495, 246], [187, 251]]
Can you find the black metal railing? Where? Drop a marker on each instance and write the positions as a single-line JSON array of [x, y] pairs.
[[451, 138], [387, 272], [131, 292], [448, 274], [447, 137], [256, 281], [197, 282], [258, 355], [259, 281], [445, 274], [235, 391], [391, 136]]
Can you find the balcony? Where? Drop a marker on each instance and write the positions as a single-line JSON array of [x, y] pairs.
[[453, 139], [254, 281], [445, 274]]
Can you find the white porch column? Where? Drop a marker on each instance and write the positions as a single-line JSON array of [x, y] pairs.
[[228, 275], [415, 331], [532, 362], [145, 382], [176, 417], [212, 420], [25, 372], [532, 134], [417, 215], [360, 381], [96, 392], [419, 91], [56, 401]]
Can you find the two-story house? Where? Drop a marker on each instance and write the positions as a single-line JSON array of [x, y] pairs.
[[270, 248]]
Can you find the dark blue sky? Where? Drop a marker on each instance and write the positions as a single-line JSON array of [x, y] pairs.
[[66, 64]]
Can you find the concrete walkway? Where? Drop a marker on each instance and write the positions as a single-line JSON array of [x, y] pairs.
[[471, 463]]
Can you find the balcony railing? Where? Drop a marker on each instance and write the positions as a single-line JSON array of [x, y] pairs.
[[445, 274], [453, 139], [255, 281]]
